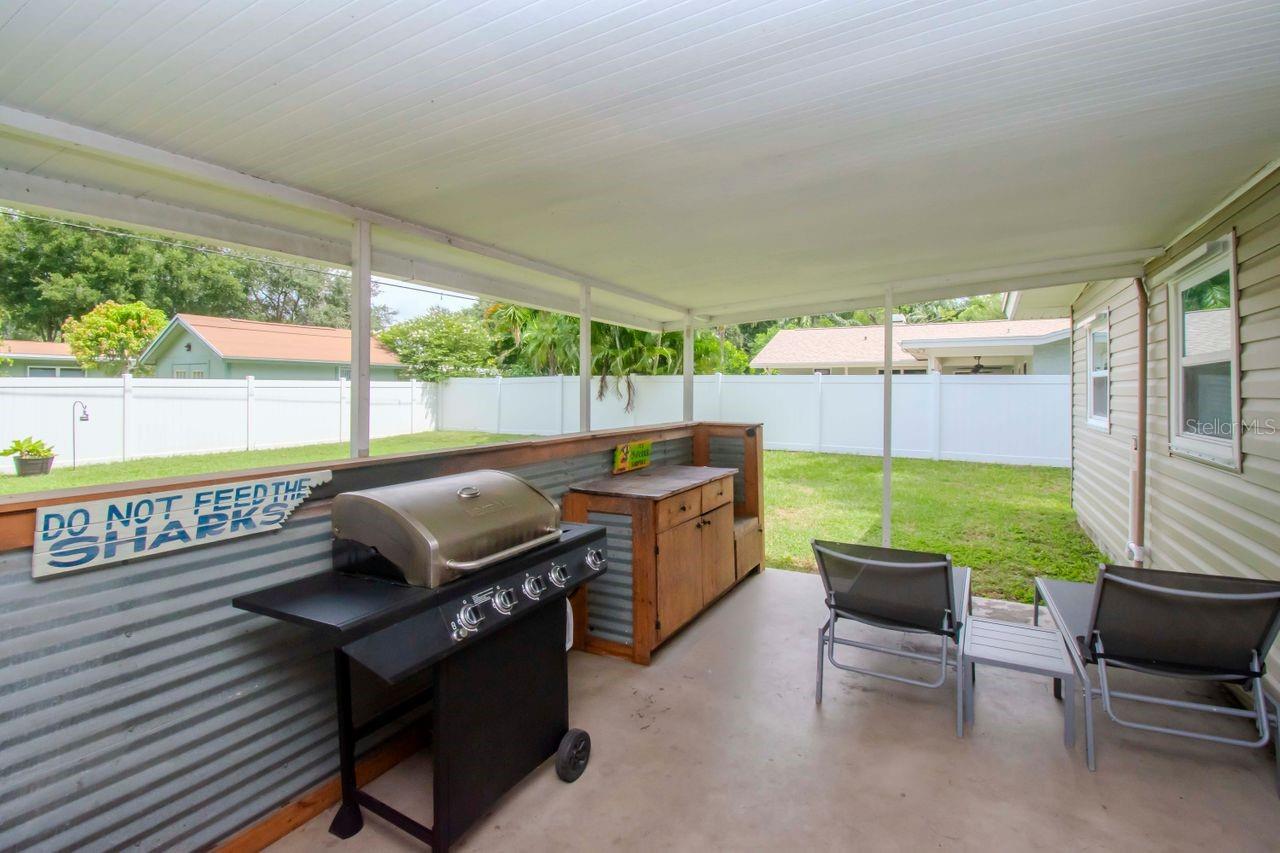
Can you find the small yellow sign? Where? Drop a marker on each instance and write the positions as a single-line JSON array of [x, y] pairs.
[[631, 456]]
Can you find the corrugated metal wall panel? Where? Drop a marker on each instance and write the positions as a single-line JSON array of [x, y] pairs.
[[728, 452], [611, 596], [138, 709]]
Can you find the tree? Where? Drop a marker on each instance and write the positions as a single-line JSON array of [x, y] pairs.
[[300, 295], [442, 344], [50, 271], [112, 336], [710, 357]]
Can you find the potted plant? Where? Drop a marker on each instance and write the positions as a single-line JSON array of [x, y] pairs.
[[30, 456]]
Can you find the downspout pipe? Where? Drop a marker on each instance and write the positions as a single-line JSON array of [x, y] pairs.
[[1137, 550]]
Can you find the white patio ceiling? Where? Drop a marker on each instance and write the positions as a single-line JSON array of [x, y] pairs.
[[738, 159]]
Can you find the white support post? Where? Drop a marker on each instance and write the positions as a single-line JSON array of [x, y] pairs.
[[361, 332], [584, 359], [249, 394], [687, 364], [886, 498], [126, 404]]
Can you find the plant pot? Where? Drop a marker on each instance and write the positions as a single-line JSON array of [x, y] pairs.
[[29, 466]]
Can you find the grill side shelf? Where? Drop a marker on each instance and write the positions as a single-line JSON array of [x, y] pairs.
[[341, 607]]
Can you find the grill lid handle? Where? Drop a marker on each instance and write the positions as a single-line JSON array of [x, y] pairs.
[[477, 565]]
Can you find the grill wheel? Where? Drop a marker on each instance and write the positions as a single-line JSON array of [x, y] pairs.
[[573, 754]]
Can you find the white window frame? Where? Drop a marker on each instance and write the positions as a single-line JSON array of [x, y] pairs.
[[1098, 322], [78, 372], [1210, 259]]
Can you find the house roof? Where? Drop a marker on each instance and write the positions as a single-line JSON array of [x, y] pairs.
[[862, 346], [48, 350], [254, 340]]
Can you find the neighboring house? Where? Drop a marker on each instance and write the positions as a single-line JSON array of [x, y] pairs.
[[1212, 396], [193, 346], [37, 359], [986, 346]]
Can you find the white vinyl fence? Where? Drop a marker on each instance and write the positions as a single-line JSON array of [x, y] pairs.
[[1020, 420], [136, 418]]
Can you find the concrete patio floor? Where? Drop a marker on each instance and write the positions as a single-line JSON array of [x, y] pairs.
[[718, 745]]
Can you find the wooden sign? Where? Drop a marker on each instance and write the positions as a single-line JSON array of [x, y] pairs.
[[71, 537], [632, 455]]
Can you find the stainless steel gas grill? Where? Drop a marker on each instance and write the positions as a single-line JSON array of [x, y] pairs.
[[461, 581]]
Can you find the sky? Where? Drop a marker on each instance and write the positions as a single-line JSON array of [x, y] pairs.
[[413, 300]]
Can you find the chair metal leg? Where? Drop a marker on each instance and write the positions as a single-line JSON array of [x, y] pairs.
[[1068, 713], [1275, 742], [822, 650], [1090, 758], [971, 692]]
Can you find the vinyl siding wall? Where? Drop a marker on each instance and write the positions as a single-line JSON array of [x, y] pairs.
[[1199, 518], [1100, 459]]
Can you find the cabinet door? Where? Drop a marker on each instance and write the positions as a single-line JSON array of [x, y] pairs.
[[718, 571], [679, 576]]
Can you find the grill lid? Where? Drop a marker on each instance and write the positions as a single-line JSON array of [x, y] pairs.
[[437, 530]]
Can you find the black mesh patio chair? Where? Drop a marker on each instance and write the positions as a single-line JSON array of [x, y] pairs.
[[911, 591], [1182, 625]]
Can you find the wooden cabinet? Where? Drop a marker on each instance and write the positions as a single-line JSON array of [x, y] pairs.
[[681, 559]]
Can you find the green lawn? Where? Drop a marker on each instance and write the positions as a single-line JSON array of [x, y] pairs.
[[1009, 523], [206, 463]]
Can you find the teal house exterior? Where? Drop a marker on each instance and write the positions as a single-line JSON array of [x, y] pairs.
[[194, 346], [39, 360]]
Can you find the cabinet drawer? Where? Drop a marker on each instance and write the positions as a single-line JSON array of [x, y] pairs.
[[717, 493], [678, 508]]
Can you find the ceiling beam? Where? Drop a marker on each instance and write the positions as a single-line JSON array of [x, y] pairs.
[[51, 196], [93, 141], [906, 295]]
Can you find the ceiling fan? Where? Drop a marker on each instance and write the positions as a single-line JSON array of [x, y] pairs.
[[978, 366]]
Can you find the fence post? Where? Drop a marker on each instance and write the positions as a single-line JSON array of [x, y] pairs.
[[126, 403], [498, 415], [342, 408], [560, 403], [936, 439], [249, 394], [818, 376], [437, 405], [413, 401]]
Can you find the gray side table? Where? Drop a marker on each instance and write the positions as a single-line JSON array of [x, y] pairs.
[[1027, 648]]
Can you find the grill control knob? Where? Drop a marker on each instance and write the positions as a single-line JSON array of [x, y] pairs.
[[470, 616], [595, 559], [504, 601], [534, 586], [559, 574]]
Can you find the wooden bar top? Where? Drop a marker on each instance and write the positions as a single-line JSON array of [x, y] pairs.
[[653, 483]]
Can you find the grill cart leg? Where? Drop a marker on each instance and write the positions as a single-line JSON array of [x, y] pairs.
[[348, 821]]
